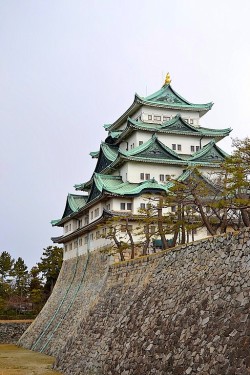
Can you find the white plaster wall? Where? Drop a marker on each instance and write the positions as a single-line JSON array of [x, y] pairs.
[[153, 111], [135, 169], [168, 140]]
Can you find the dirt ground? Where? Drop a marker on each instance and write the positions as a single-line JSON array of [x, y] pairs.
[[19, 361]]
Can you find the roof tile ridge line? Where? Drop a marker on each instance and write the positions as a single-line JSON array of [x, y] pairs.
[[203, 150], [108, 176], [175, 119], [168, 149], [190, 103], [135, 150], [207, 148], [218, 130]]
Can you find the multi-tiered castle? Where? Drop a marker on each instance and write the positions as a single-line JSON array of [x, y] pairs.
[[157, 137]]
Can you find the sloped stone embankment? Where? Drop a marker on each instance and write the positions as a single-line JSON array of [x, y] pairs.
[[185, 311]]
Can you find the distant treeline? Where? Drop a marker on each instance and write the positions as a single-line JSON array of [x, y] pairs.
[[23, 293]]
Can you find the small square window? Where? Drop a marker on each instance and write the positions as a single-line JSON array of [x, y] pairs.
[[179, 147], [142, 206], [173, 146], [123, 206], [149, 117], [147, 176], [197, 148], [142, 176], [157, 118], [167, 177], [129, 206], [161, 177], [140, 143], [192, 148], [166, 118]]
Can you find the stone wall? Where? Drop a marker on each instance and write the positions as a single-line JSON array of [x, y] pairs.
[[184, 311], [10, 332]]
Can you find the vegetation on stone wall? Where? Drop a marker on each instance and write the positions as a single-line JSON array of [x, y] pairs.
[[23, 292]]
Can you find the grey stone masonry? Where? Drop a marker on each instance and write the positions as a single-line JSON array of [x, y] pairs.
[[10, 332], [181, 311]]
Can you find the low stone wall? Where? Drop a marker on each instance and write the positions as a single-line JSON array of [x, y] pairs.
[[10, 332], [183, 311]]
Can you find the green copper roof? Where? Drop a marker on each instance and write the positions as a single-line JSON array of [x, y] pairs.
[[74, 203], [115, 186], [209, 153], [94, 154], [167, 97]]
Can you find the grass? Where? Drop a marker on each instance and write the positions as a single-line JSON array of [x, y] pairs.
[[18, 361]]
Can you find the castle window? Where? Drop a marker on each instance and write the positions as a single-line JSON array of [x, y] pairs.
[[149, 117], [129, 206], [108, 206], [173, 208], [191, 121], [69, 227], [66, 228], [140, 143], [97, 212], [123, 206], [147, 176], [192, 148], [167, 177], [86, 220], [65, 248], [91, 215], [161, 177], [157, 118], [179, 147], [92, 237], [75, 244], [85, 240], [173, 146], [166, 118], [80, 223], [97, 234], [142, 176], [142, 206], [197, 148], [70, 246], [80, 241]]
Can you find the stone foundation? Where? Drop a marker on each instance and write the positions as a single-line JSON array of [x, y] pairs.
[[182, 311]]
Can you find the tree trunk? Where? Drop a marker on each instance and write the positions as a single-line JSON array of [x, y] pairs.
[[160, 225]]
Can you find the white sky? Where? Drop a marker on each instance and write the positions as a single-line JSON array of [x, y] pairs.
[[68, 67]]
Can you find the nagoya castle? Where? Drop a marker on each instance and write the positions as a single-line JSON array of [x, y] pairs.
[[157, 138]]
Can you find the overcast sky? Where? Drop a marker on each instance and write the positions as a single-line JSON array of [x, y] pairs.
[[68, 67]]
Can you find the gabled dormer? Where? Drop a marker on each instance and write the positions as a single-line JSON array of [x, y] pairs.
[[210, 153]]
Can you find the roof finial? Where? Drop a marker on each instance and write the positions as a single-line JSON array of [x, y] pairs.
[[167, 79]]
